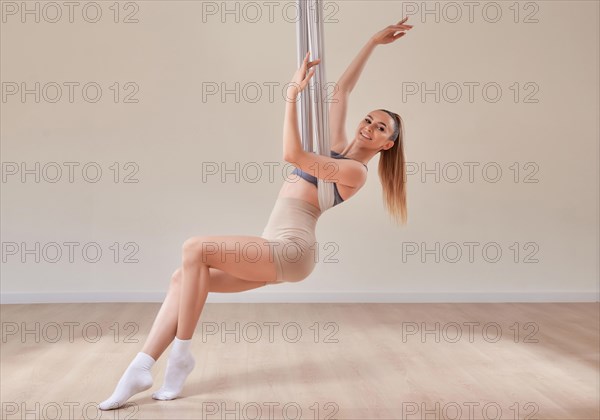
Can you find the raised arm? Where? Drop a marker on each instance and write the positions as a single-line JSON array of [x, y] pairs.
[[339, 101], [346, 172], [292, 144]]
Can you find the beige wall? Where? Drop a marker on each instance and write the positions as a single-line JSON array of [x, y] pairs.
[[546, 121]]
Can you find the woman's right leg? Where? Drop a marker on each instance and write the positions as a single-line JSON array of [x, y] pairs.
[[164, 327]]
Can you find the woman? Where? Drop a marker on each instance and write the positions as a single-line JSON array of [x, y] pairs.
[[208, 263]]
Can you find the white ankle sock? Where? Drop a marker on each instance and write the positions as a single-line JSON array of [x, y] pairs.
[[137, 378], [179, 365]]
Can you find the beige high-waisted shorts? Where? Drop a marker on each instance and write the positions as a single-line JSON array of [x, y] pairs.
[[291, 237]]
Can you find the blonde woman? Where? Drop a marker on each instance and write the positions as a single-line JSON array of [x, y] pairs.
[[285, 248]]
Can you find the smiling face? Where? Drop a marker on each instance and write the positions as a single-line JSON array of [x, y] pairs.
[[375, 130]]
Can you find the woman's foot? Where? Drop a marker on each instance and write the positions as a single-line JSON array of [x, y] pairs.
[[180, 364], [137, 378]]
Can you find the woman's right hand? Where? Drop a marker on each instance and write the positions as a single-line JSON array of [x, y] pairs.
[[385, 36], [301, 78]]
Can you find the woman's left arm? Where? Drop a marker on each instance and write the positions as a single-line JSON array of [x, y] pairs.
[[292, 143]]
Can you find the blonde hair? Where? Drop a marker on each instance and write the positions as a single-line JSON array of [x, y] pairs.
[[392, 173]]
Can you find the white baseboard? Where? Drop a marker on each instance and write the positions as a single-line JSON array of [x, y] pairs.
[[253, 296]]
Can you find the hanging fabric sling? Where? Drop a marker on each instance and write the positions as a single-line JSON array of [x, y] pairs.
[[313, 113]]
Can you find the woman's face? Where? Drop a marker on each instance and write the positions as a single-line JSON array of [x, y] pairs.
[[375, 130]]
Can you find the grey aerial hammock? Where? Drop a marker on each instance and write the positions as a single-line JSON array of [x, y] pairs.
[[313, 114]]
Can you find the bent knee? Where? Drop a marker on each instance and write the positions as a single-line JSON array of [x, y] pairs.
[[198, 247], [191, 244]]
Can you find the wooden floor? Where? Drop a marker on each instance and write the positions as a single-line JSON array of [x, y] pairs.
[[336, 361]]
